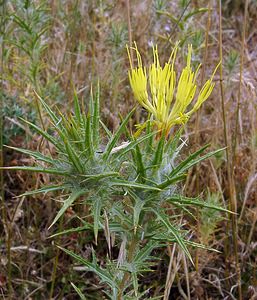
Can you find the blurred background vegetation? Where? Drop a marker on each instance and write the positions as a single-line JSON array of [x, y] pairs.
[[54, 47]]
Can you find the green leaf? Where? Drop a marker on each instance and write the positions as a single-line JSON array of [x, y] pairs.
[[174, 231], [184, 165], [97, 177], [172, 144], [194, 12], [34, 154], [82, 297], [44, 134], [21, 23], [103, 274], [133, 144], [138, 159], [171, 181], [77, 110], [96, 117], [107, 131], [116, 136], [72, 230], [159, 152], [192, 160], [51, 114], [37, 169], [124, 183], [143, 254], [88, 135], [139, 204], [67, 203], [194, 202], [73, 157], [97, 206], [45, 189]]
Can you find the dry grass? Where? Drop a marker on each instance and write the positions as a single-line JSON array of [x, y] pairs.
[[84, 41]]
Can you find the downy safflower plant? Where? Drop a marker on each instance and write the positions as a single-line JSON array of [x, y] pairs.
[[124, 192], [156, 90]]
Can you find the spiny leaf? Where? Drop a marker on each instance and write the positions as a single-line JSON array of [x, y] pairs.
[[138, 159], [88, 135], [96, 117], [103, 274], [171, 181], [184, 164], [107, 131], [174, 231], [133, 144], [191, 161], [159, 152], [77, 110], [144, 253], [97, 177], [138, 206], [72, 230], [195, 202], [34, 154], [45, 189], [50, 112], [194, 12], [37, 169], [67, 203], [116, 136], [97, 206], [73, 157], [124, 183], [44, 134], [82, 297]]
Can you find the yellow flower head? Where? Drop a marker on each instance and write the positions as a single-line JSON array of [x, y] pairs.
[[154, 89]]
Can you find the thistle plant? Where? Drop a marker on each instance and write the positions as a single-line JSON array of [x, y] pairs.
[[130, 188]]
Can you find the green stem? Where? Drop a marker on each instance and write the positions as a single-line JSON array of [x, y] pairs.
[[126, 276]]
